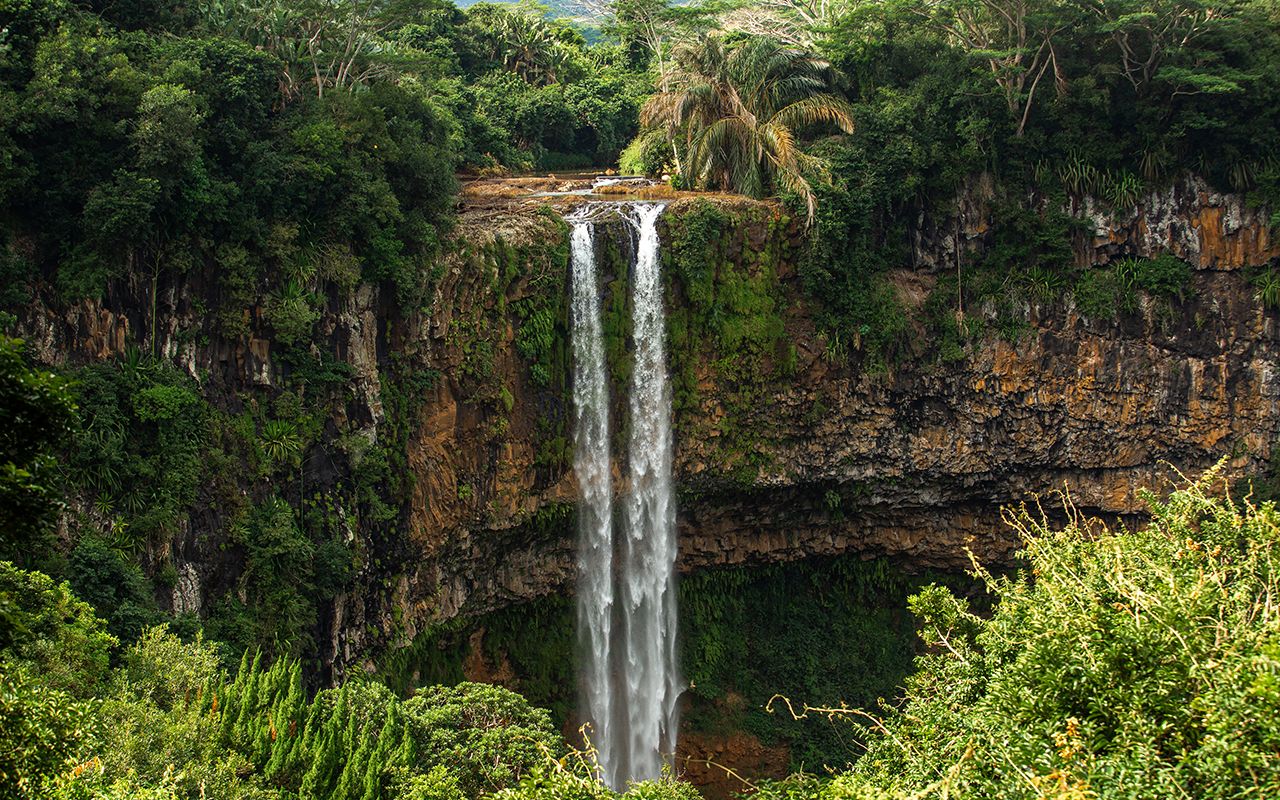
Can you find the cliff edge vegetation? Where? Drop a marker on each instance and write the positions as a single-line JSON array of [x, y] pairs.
[[286, 390]]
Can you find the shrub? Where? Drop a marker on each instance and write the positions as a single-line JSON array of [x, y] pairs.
[[1097, 294], [1117, 664], [159, 733], [52, 634], [38, 414], [41, 731], [291, 313], [115, 588], [647, 154], [1166, 275], [286, 575], [138, 453], [489, 737]]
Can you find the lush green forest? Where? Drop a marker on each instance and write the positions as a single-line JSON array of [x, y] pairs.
[[285, 153], [1130, 665], [266, 139]]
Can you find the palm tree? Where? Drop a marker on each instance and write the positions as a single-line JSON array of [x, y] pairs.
[[739, 110]]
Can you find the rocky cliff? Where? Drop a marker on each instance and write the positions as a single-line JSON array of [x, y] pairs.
[[795, 452]]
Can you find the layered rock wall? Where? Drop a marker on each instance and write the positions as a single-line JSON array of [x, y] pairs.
[[913, 463], [1190, 219]]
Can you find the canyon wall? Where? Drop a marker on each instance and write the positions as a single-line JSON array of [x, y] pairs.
[[824, 457]]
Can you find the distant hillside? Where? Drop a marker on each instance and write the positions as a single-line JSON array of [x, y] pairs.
[[586, 12]]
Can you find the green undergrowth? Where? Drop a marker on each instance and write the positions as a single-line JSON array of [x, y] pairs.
[[820, 632], [536, 639], [435, 656], [542, 340], [1261, 487], [1106, 293], [726, 321], [543, 333], [522, 284], [1031, 264], [1267, 281], [1135, 663], [137, 451]]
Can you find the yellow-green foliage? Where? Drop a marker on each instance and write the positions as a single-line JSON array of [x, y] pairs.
[[1141, 664], [53, 659], [175, 726], [50, 634]]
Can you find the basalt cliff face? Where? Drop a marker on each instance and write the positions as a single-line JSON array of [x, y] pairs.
[[818, 458], [917, 462]]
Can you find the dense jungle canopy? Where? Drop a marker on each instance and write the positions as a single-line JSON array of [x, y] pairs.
[[146, 137], [294, 150]]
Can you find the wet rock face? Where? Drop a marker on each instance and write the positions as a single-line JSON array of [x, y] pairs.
[[1190, 219], [914, 463], [725, 765]]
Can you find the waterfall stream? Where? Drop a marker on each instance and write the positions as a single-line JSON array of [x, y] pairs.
[[626, 593], [591, 467]]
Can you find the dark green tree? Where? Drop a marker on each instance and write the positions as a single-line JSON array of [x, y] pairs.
[[37, 415]]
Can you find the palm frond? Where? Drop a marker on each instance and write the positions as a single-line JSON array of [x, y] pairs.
[[779, 147], [819, 108], [795, 183], [659, 109], [718, 147], [740, 109]]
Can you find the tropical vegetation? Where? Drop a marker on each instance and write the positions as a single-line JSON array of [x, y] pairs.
[[231, 174], [1116, 664]]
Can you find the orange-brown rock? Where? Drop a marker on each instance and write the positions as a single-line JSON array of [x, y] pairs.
[[723, 766], [916, 464], [913, 464], [1210, 229]]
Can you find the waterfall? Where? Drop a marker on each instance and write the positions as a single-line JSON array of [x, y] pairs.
[[648, 574], [591, 467], [627, 620]]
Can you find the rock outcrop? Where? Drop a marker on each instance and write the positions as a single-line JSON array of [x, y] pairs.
[[1190, 219], [913, 463], [916, 463]]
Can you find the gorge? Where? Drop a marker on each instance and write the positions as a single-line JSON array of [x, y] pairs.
[[789, 446], [451, 400]]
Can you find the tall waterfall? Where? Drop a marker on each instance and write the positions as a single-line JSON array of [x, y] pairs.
[[627, 616], [591, 466]]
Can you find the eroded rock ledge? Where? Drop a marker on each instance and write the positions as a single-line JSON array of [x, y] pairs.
[[916, 463], [913, 463]]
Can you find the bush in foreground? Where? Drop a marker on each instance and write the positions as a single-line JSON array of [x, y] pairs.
[[1134, 665]]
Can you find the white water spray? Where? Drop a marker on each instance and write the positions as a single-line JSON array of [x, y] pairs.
[[591, 466], [648, 580], [630, 677]]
